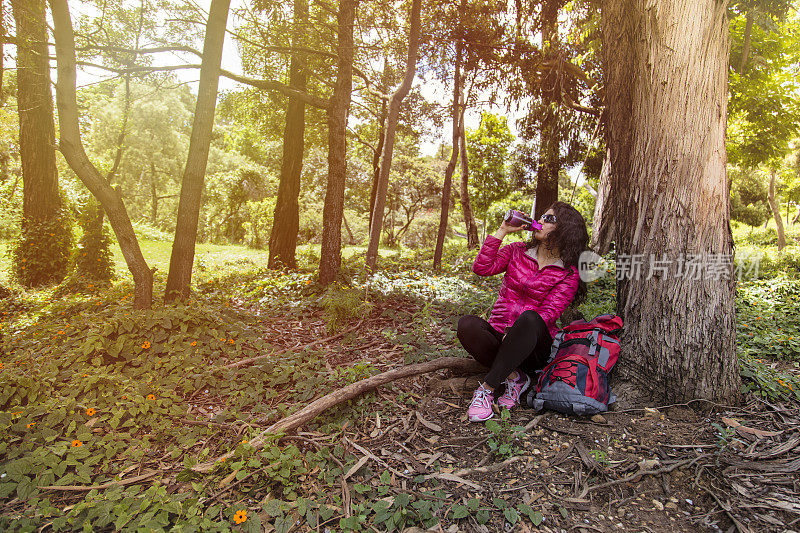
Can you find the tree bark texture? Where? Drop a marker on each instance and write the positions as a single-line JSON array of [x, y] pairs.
[[71, 146], [776, 212], [466, 205], [339, 108], [451, 165], [667, 69], [286, 219], [391, 127], [40, 199], [603, 220], [549, 136], [181, 260]]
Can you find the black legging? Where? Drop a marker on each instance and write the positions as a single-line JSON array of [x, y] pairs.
[[526, 345]]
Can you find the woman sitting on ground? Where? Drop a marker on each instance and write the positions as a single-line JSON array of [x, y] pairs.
[[541, 279]]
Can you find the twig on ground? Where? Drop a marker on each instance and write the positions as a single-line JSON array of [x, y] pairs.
[[82, 488]]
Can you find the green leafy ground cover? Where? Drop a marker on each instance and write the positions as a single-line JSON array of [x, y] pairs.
[[93, 393]]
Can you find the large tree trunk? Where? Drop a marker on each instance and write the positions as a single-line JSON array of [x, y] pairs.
[[331, 253], [451, 165], [549, 136], [776, 213], [286, 219], [40, 199], [603, 225], [71, 146], [466, 205], [388, 145], [667, 70], [182, 259]]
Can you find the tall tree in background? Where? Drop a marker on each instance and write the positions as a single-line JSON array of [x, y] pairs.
[[376, 219], [71, 146], [549, 130], [42, 255], [764, 108], [466, 204], [451, 164], [182, 257], [666, 95], [286, 219], [331, 253]]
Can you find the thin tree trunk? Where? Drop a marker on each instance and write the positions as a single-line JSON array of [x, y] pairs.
[[286, 219], [748, 32], [388, 146], [350, 239], [40, 199], [182, 259], [603, 220], [776, 213], [451, 165], [153, 195], [667, 70], [797, 216], [331, 253], [71, 146], [549, 136], [376, 156], [466, 205]]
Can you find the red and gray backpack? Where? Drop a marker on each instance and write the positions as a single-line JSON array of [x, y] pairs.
[[575, 380]]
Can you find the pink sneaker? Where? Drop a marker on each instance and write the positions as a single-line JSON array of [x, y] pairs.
[[481, 407], [514, 389]]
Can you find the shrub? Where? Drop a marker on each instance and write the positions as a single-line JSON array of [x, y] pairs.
[[41, 253], [93, 259], [343, 304]]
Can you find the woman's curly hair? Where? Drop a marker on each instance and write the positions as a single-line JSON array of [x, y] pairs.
[[570, 238]]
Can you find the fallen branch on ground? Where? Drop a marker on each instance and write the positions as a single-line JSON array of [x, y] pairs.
[[81, 488], [249, 360], [349, 392], [633, 477]]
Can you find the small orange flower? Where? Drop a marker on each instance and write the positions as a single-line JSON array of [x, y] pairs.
[[76, 443], [231, 341], [194, 343], [146, 345], [29, 426], [90, 411], [124, 397], [240, 517], [151, 397], [2, 366], [61, 332], [86, 375], [244, 441]]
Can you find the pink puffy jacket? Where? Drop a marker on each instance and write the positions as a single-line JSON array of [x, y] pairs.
[[548, 291]]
